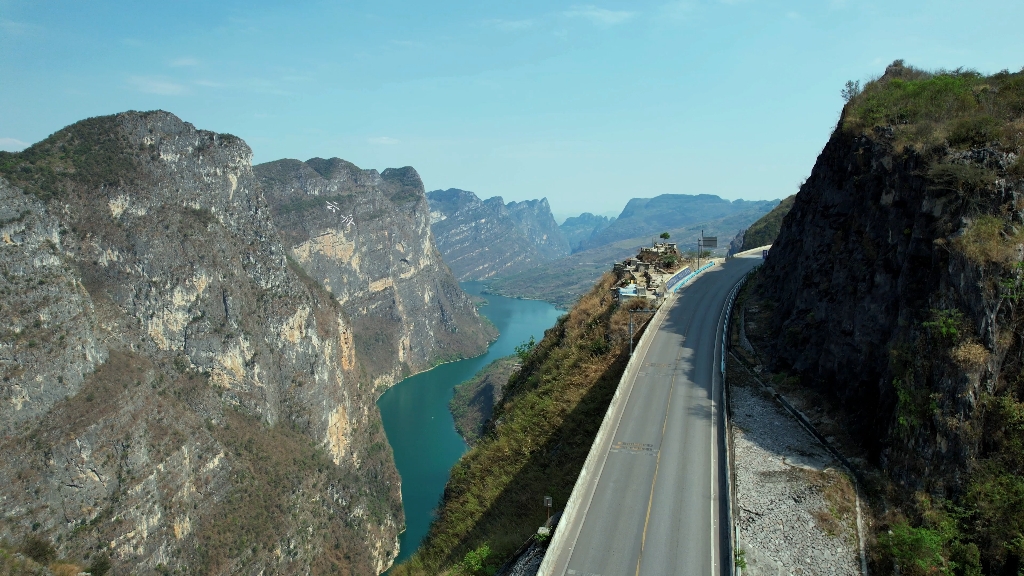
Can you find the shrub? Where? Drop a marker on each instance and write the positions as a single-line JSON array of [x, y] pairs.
[[974, 131], [100, 565], [945, 324], [523, 350], [916, 550], [475, 562], [38, 549]]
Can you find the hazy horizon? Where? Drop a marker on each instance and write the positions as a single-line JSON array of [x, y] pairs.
[[585, 104]]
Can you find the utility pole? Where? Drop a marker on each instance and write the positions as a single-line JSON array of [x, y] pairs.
[[631, 327], [700, 245]]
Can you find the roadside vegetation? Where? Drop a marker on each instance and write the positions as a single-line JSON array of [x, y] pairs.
[[535, 443]]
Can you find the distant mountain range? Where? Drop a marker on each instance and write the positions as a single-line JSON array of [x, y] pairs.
[[652, 216]]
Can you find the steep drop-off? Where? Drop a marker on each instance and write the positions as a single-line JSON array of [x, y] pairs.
[[894, 285], [534, 444], [483, 239], [365, 237], [176, 394]]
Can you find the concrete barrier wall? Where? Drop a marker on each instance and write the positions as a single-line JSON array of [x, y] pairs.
[[678, 276], [680, 283]]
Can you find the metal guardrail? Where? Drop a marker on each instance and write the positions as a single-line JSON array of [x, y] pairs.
[[734, 529]]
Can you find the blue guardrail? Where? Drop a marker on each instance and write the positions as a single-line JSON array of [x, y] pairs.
[[674, 285]]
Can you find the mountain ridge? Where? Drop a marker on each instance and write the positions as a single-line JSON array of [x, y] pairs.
[[177, 391], [481, 239]]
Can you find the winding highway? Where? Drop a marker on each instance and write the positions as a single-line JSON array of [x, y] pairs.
[[652, 498]]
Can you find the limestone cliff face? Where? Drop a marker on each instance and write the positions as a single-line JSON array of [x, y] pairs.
[[579, 229], [881, 298], [175, 393], [534, 219], [483, 239], [365, 237]]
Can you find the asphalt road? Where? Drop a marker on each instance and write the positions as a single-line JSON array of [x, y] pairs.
[[657, 503]]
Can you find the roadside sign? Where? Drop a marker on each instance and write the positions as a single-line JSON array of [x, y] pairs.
[[764, 254], [710, 241]]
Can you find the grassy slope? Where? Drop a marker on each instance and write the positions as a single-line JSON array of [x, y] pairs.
[[765, 230], [537, 441]]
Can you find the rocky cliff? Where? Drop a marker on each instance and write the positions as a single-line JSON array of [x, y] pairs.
[[487, 239], [579, 229], [365, 237], [894, 286], [177, 394]]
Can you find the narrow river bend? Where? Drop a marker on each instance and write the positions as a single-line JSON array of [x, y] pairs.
[[418, 424]]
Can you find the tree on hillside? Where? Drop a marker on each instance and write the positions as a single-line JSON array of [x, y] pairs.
[[665, 235]]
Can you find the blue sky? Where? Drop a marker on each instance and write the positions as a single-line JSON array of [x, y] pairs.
[[586, 104]]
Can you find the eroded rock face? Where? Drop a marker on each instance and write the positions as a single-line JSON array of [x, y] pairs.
[[579, 229], [483, 239], [365, 237], [175, 392], [866, 258]]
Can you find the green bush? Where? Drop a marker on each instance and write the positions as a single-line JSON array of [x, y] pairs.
[[475, 562], [916, 550], [945, 324], [974, 131], [99, 566]]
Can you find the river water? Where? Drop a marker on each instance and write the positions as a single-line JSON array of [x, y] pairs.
[[418, 424]]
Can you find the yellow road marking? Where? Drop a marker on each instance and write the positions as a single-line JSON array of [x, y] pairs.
[[657, 464]]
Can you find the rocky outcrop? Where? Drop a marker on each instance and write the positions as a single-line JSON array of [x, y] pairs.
[[877, 297], [178, 391], [365, 238], [489, 239], [474, 400], [534, 219], [579, 229]]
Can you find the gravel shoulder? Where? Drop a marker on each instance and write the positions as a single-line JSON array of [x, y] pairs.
[[796, 504]]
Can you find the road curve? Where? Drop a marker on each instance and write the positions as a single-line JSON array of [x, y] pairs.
[[655, 503]]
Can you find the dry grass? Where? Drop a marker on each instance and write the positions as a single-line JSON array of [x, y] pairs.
[[61, 569], [840, 518], [539, 437], [986, 241], [970, 355]]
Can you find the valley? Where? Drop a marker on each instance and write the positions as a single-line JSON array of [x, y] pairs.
[[216, 366]]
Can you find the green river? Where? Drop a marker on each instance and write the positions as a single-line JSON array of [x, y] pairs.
[[418, 424]]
